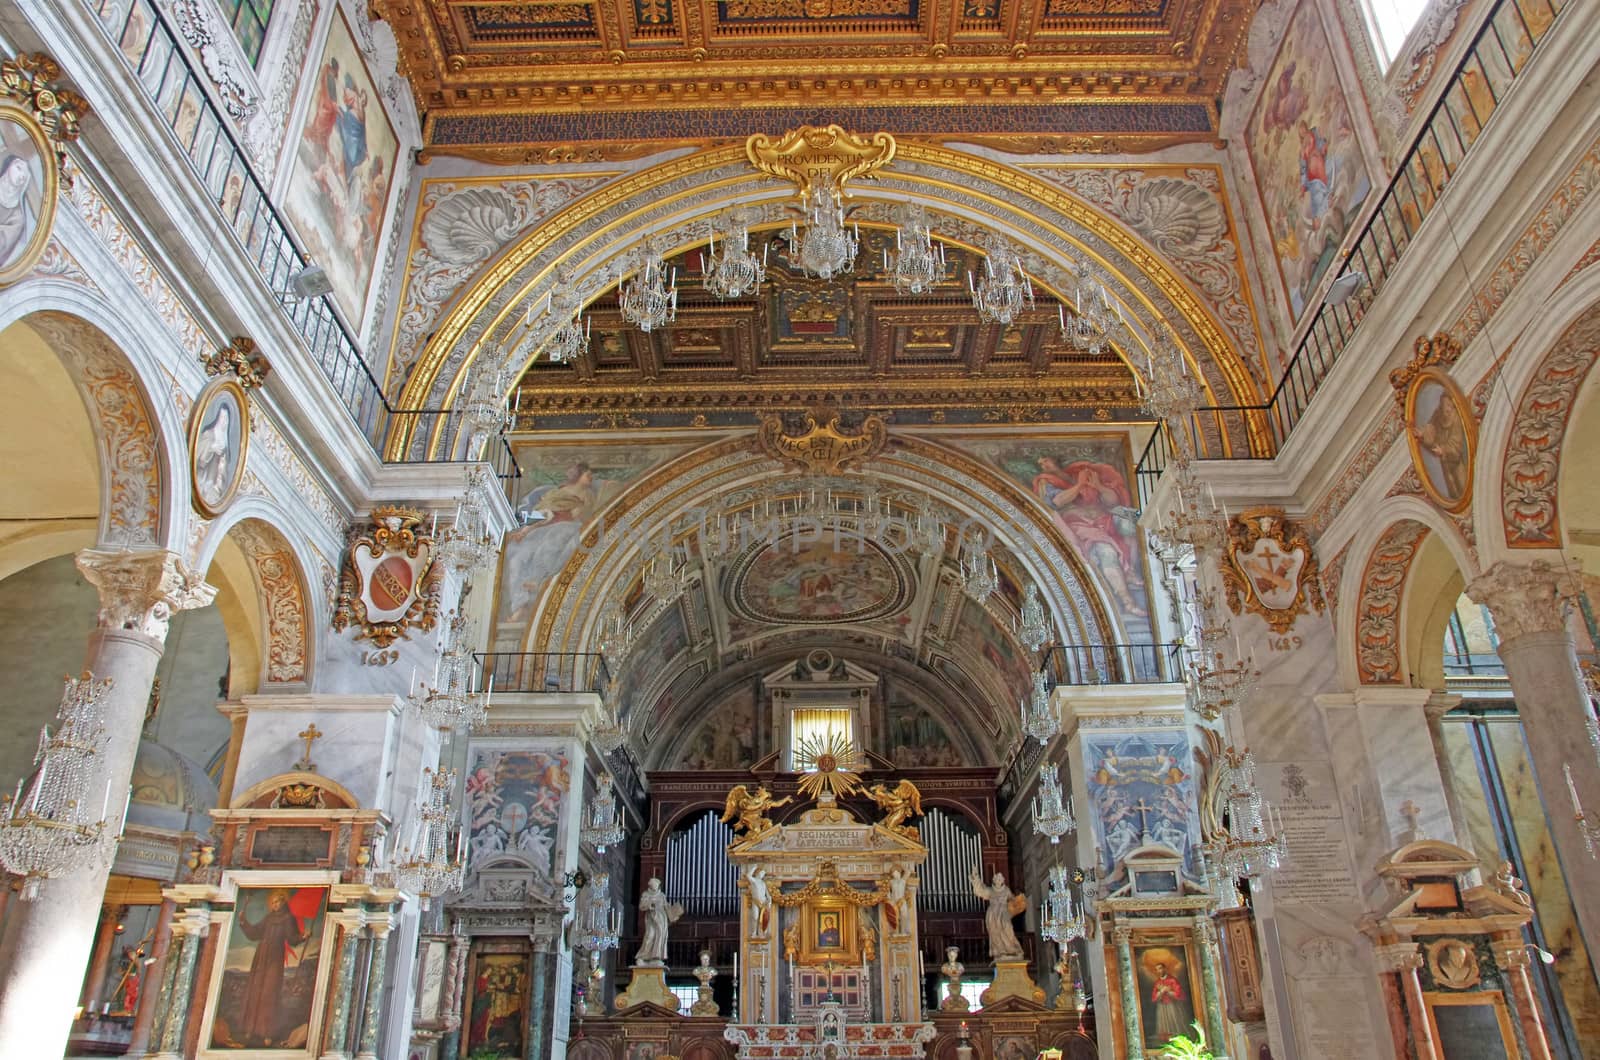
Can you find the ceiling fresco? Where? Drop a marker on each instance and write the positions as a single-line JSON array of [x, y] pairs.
[[585, 80]]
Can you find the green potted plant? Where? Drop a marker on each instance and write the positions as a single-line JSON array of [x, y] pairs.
[[1182, 1048]]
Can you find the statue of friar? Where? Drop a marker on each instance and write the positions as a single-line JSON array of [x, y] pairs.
[[1003, 905], [655, 914]]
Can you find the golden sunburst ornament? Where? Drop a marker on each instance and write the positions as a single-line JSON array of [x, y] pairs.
[[831, 765]]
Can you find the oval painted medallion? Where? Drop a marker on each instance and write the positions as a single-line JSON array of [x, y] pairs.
[[820, 583]]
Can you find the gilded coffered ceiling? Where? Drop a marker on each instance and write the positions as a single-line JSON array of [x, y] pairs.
[[609, 78]]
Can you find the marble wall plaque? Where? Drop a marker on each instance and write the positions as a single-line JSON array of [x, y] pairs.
[[1318, 866]]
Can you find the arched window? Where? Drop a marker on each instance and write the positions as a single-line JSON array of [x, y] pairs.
[[1391, 22]]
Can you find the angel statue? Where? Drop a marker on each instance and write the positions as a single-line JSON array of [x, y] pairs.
[[748, 811], [897, 805], [1003, 905]]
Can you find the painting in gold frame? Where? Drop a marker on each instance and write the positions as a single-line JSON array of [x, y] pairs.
[[828, 932], [498, 981], [1166, 982], [1443, 437], [219, 440], [28, 179]]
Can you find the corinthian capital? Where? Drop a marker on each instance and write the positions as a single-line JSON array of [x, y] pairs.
[[1525, 597], [1398, 956], [141, 590]]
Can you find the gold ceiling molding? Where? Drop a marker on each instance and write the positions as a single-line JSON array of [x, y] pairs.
[[967, 175], [804, 155]]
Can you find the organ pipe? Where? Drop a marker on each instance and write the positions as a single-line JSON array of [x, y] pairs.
[[699, 875], [953, 849]]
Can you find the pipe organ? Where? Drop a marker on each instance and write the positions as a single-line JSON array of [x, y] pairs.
[[699, 875], [954, 848]]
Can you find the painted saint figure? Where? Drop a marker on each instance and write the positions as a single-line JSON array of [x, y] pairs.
[[1091, 503], [211, 455], [1003, 905], [17, 219], [1167, 995], [273, 935]]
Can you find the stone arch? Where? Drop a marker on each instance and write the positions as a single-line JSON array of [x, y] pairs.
[[284, 594], [137, 412], [1520, 489], [586, 247], [1380, 599]]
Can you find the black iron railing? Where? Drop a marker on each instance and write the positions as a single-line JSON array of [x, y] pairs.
[[151, 48], [1113, 664], [543, 671], [1499, 53]]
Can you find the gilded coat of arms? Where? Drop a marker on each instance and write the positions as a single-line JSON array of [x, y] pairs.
[[1271, 570], [390, 583]]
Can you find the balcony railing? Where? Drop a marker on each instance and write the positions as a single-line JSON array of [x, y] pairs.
[[1112, 664], [543, 671], [152, 50], [1498, 55]]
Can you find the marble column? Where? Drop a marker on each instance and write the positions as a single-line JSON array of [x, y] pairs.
[[372, 1010], [164, 1011], [150, 1001], [454, 988], [49, 937], [190, 931], [344, 983], [1438, 705], [1512, 957], [1403, 959], [94, 982], [1527, 602], [1129, 991], [1205, 937], [541, 1005]]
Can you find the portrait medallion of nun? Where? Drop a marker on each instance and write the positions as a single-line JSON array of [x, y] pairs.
[[27, 191], [219, 434]]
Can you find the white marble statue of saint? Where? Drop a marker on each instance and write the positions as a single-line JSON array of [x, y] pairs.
[[1003, 905], [655, 914], [761, 898]]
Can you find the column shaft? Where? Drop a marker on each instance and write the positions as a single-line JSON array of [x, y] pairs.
[[343, 993], [1216, 1029], [1129, 990], [372, 1010], [94, 982], [150, 1001], [1417, 1010], [182, 987]]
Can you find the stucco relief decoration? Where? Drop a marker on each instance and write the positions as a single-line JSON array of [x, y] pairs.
[[284, 598], [803, 155], [213, 41], [827, 449], [390, 583], [242, 357], [1378, 610], [462, 225], [1532, 464], [1439, 423], [1180, 212], [1271, 570]]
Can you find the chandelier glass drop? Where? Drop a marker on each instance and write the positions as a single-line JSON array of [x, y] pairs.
[[1062, 919], [666, 575], [48, 829], [826, 249], [1254, 843], [602, 823], [1003, 290], [484, 407], [571, 337], [467, 544], [737, 270], [453, 701], [917, 263], [1034, 630], [1218, 679], [608, 736], [1039, 719], [434, 866], [650, 298], [1172, 392], [600, 927], [1196, 520], [1052, 810], [979, 576], [1096, 318]]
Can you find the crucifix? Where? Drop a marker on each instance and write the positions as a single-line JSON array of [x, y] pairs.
[[1144, 829], [308, 734], [1411, 811]]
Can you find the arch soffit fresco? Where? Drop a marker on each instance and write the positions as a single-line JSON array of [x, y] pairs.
[[587, 247]]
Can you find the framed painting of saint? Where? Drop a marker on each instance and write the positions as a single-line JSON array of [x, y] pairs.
[[268, 985], [1165, 981], [28, 178], [219, 438], [498, 977], [828, 932], [1443, 437]]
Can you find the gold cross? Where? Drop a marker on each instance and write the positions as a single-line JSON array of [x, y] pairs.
[[308, 734]]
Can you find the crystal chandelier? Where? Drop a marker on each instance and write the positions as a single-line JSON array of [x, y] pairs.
[[608, 736], [571, 339], [1254, 843], [1034, 630], [616, 635], [1095, 319], [1003, 290], [484, 407], [737, 270], [917, 263], [927, 531], [1039, 719], [650, 298], [827, 248], [1195, 521], [1052, 811], [434, 867], [48, 832], [467, 544], [1218, 679], [452, 701], [601, 924], [978, 574], [666, 575], [602, 826], [1172, 394], [1063, 920]]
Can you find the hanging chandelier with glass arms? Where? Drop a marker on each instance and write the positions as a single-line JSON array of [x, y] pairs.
[[1052, 810], [979, 577], [826, 248], [1034, 628], [600, 926], [917, 262], [1254, 843], [570, 339], [1096, 319], [649, 299], [453, 701], [602, 821], [434, 866], [1062, 920], [48, 828], [1039, 719], [468, 544], [1003, 289], [737, 270]]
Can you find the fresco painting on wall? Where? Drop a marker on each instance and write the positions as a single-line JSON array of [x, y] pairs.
[[569, 487], [976, 632], [1140, 789], [818, 583], [269, 969], [727, 738], [514, 805], [1309, 169], [339, 191], [649, 661], [917, 738]]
